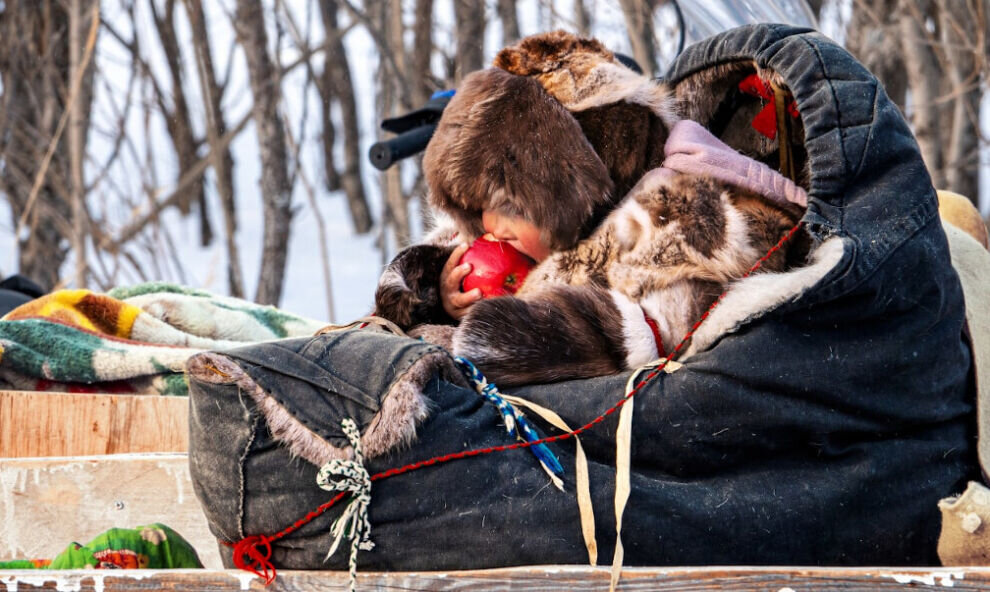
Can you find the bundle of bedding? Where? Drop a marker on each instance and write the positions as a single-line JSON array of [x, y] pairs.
[[129, 340]]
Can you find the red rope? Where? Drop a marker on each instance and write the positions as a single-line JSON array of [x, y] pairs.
[[253, 554], [248, 556]]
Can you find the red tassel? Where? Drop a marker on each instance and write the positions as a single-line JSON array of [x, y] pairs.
[[252, 554], [765, 121]]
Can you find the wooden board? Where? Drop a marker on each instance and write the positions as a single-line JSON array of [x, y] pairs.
[[46, 503], [69, 424], [522, 579]]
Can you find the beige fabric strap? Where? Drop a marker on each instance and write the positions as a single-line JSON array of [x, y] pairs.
[[583, 484], [972, 263], [623, 452], [623, 462]]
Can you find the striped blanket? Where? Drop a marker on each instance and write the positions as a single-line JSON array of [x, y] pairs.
[[129, 340]]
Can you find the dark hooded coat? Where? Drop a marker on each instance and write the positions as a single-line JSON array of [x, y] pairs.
[[819, 429]]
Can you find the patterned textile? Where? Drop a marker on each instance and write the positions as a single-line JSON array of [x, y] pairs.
[[154, 546], [129, 340]]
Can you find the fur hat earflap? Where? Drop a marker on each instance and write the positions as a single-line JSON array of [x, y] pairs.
[[504, 144]]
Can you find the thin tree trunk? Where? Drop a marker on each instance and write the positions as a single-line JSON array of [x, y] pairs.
[[223, 162], [962, 37], [469, 17], [510, 20], [78, 24], [922, 74], [178, 122], [874, 37], [339, 79], [397, 203], [34, 65], [639, 21], [328, 135], [420, 78], [276, 192], [325, 86], [582, 18]]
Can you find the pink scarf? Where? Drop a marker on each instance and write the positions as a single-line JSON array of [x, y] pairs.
[[693, 150]]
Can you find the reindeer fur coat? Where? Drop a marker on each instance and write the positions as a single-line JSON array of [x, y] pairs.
[[563, 135]]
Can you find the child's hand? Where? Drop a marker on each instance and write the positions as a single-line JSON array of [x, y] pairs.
[[455, 302]]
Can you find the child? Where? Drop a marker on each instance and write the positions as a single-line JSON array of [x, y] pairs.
[[543, 152], [518, 232]]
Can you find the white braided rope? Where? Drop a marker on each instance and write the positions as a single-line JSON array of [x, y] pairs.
[[350, 475]]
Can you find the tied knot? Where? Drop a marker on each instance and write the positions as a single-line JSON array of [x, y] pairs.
[[253, 554], [350, 476]]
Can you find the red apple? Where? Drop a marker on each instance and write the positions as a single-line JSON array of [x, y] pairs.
[[497, 268]]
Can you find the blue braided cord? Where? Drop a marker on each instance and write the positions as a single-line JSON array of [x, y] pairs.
[[490, 392], [510, 415]]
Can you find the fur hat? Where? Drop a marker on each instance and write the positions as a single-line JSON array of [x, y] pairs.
[[504, 144], [557, 134]]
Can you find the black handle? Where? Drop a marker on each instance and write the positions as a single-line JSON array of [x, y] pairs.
[[385, 154]]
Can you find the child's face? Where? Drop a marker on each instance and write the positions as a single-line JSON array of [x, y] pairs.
[[520, 233]]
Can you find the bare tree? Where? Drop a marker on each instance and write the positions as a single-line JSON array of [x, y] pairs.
[[336, 84], [223, 163], [510, 20], [922, 71], [963, 39], [396, 203], [276, 191], [874, 36], [639, 22], [582, 17], [469, 17], [931, 56], [177, 120], [81, 15], [34, 64], [420, 76]]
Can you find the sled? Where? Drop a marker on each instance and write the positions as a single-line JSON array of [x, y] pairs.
[[522, 579], [845, 528], [49, 496]]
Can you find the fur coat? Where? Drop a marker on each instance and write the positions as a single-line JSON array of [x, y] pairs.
[[563, 135]]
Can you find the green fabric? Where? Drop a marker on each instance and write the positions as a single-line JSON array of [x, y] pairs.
[[129, 340], [125, 292], [154, 546], [28, 345]]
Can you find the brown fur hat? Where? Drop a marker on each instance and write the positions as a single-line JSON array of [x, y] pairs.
[[557, 134], [504, 144], [581, 74], [625, 115]]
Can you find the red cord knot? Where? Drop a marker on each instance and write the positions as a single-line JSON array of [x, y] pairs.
[[253, 554]]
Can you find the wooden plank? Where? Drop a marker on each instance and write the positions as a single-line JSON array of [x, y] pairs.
[[72, 424], [46, 503], [523, 579]]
